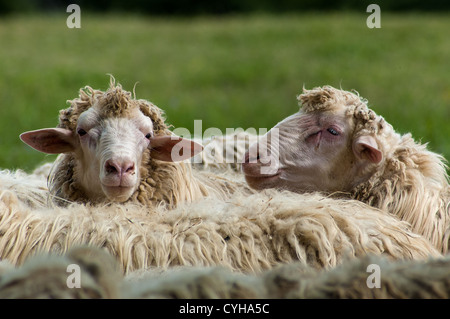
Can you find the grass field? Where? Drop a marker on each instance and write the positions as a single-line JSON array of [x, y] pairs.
[[242, 71]]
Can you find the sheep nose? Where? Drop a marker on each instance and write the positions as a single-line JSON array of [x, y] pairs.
[[120, 168]]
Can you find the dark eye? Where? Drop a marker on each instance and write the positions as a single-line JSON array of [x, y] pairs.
[[81, 132], [148, 136], [332, 131]]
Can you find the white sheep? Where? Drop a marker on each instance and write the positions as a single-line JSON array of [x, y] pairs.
[[117, 148], [428, 279], [248, 232], [224, 153], [30, 189], [245, 233], [47, 276], [51, 276], [336, 145]]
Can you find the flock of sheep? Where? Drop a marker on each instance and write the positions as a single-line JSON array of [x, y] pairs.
[[300, 213]]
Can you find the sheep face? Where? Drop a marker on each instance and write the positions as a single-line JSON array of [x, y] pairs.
[[110, 150], [316, 149]]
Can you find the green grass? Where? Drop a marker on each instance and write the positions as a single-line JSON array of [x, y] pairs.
[[242, 71]]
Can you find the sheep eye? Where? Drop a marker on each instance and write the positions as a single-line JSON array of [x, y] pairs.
[[148, 136], [332, 131], [81, 132]]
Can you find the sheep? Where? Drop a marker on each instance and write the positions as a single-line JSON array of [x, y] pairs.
[[338, 146], [117, 148], [224, 153], [30, 189], [247, 233], [47, 276], [350, 280]]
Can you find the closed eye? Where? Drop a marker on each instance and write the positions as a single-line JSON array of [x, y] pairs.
[[332, 131]]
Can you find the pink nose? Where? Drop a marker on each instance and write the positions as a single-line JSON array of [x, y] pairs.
[[120, 168]]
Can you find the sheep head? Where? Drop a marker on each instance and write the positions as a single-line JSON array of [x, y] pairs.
[[110, 136], [332, 144]]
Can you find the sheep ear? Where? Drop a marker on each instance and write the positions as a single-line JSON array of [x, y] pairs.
[[365, 147], [50, 140], [173, 148]]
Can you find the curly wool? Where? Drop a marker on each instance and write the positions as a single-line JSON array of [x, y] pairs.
[[398, 280], [30, 189], [246, 233], [411, 182], [46, 276], [224, 153]]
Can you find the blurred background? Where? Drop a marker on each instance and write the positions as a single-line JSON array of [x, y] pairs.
[[237, 63]]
